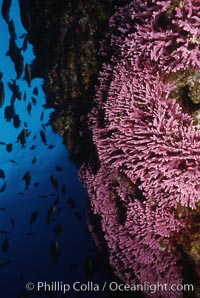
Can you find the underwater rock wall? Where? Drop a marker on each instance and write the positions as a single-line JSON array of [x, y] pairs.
[[142, 178], [65, 37]]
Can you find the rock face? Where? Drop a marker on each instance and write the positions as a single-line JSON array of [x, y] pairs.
[[136, 135], [65, 36]]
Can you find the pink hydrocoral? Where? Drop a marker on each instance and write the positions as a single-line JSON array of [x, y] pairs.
[[145, 143]]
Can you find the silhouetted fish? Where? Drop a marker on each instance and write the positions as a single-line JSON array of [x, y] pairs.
[[12, 221], [21, 138], [54, 182], [25, 43], [2, 143], [11, 28], [20, 193], [2, 92], [9, 112], [2, 174], [27, 179], [42, 116], [28, 76], [4, 232], [15, 89], [59, 169], [4, 264], [71, 202], [36, 184], [34, 159], [43, 137], [13, 161], [50, 214], [51, 146], [33, 100], [5, 9], [29, 108], [33, 217], [32, 147], [5, 245], [9, 147], [35, 91], [54, 250], [2, 189], [16, 121]]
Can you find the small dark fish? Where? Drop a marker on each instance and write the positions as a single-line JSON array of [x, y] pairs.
[[2, 174], [12, 221], [9, 112], [20, 193], [9, 147], [54, 250], [43, 196], [12, 100], [5, 245], [4, 232], [28, 76], [5, 9], [36, 184], [71, 202], [43, 137], [63, 189], [35, 91], [42, 116], [11, 28], [34, 160], [59, 169], [16, 121], [2, 143], [15, 89], [25, 43], [21, 138], [19, 65], [52, 195], [78, 216], [33, 217], [51, 146], [54, 182], [29, 108], [50, 214], [2, 209], [2, 189], [58, 229], [32, 147], [13, 161], [35, 136], [30, 233], [27, 179], [2, 92], [33, 100], [24, 96], [4, 264], [25, 124]]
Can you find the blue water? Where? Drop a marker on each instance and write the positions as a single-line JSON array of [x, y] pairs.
[[29, 255]]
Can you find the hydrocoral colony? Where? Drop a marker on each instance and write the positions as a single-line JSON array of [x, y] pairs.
[[147, 143]]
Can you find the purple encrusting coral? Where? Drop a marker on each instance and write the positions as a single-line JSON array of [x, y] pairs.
[[147, 144]]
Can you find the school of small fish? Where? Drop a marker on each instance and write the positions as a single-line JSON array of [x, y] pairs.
[[10, 115]]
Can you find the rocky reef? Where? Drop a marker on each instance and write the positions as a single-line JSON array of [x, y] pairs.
[[135, 136]]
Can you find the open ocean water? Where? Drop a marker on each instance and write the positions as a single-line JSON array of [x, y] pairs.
[[43, 206]]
